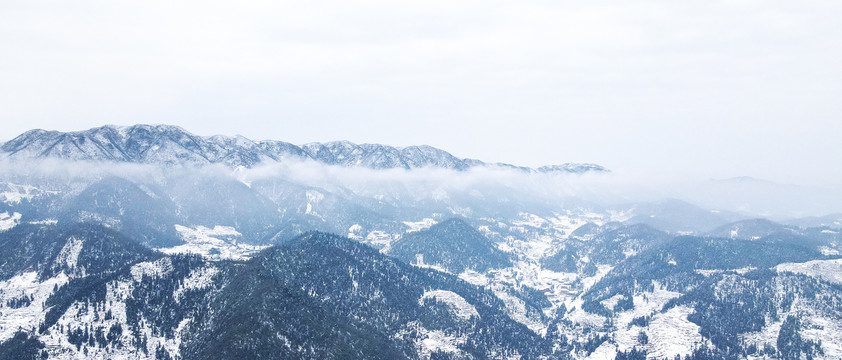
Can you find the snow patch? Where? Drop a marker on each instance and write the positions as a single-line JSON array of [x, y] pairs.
[[9, 221], [31, 295], [354, 232], [44, 222], [153, 269], [428, 342], [419, 262], [531, 220], [828, 251], [69, 254], [710, 272], [601, 271], [516, 309], [425, 223], [827, 270], [557, 286], [16, 193], [612, 302], [605, 351], [671, 334], [313, 197], [646, 304], [215, 243], [457, 305], [474, 278], [379, 238], [584, 318]]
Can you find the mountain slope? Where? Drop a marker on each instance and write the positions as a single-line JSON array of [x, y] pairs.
[[75, 248], [609, 244], [676, 216], [144, 214], [100, 295], [337, 298], [752, 229], [453, 245]]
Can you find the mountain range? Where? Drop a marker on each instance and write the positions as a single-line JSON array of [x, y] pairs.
[[171, 260], [171, 145]]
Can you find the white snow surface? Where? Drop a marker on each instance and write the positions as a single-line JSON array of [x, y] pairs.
[[27, 317], [474, 278], [645, 304], [153, 269], [8, 221], [206, 242], [69, 254], [414, 226], [516, 310], [313, 198], [15, 193], [710, 272], [557, 286], [829, 251], [79, 315], [379, 238], [605, 351], [671, 334], [354, 232], [428, 341], [538, 237], [44, 222], [827, 270]]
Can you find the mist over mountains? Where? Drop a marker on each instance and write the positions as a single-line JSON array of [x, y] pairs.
[[149, 242], [345, 164]]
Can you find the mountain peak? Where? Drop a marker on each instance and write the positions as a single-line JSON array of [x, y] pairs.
[[453, 245]]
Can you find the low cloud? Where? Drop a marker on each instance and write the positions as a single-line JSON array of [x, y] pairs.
[[749, 196]]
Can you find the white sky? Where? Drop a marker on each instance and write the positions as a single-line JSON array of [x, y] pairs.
[[708, 88]]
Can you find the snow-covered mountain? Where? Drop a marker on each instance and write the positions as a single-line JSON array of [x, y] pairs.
[[170, 145], [84, 292], [323, 261]]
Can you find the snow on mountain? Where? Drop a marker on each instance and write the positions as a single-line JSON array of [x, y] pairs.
[[198, 279], [571, 168], [172, 145], [377, 156], [455, 303], [671, 334], [155, 144], [69, 254], [423, 224], [429, 342], [151, 269], [517, 311], [22, 302], [587, 280], [15, 193], [8, 221], [217, 243], [827, 270]]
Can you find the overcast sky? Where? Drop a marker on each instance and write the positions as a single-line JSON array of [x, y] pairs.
[[710, 88]]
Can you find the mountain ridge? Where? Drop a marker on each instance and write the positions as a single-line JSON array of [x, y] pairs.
[[173, 145]]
